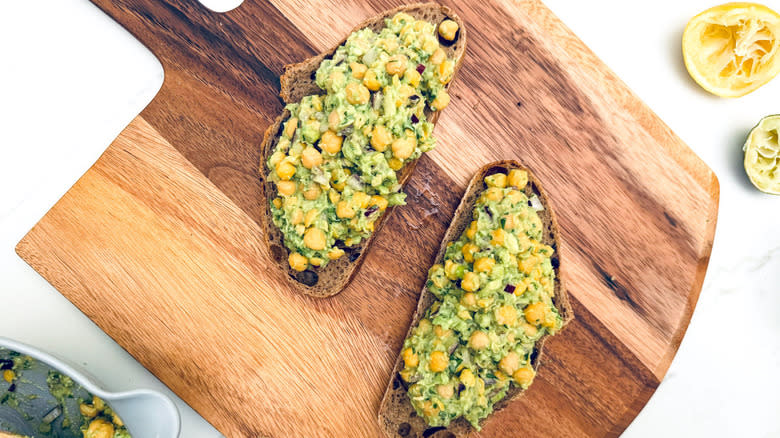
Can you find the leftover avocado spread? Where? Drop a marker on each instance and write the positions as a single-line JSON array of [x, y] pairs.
[[493, 302], [336, 160], [97, 419]]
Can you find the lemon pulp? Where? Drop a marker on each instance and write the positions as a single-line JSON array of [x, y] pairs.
[[762, 155], [733, 49]]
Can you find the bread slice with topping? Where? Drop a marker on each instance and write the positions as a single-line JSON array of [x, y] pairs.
[[298, 81], [397, 417]]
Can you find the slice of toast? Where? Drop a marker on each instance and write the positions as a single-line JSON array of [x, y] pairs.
[[297, 82], [396, 414]]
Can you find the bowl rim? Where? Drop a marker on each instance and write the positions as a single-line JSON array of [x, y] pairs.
[[89, 382]]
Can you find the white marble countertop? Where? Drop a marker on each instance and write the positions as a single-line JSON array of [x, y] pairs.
[[71, 79]]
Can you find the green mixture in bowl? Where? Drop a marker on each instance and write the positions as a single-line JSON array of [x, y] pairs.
[[336, 162], [95, 418]]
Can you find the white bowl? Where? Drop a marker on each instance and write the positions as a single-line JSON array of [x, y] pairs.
[[146, 413]]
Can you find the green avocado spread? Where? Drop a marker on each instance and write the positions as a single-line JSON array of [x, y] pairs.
[[98, 420], [494, 300], [336, 161]]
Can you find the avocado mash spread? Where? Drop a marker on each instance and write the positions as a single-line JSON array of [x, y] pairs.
[[97, 419], [100, 421], [336, 161], [493, 302]]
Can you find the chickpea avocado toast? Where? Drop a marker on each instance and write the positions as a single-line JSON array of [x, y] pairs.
[[490, 302], [356, 121]]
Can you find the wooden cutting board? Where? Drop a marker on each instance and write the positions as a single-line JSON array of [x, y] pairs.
[[158, 242]]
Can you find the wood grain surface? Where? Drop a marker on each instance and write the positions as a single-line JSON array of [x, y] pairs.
[[158, 242]]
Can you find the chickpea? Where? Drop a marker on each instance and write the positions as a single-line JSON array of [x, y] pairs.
[[468, 251], [448, 29], [485, 264], [498, 237], [439, 361], [445, 391], [410, 358], [277, 202], [311, 157], [528, 264], [446, 70], [361, 199], [403, 148], [99, 428], [506, 315], [496, 180], [515, 196], [395, 163], [335, 253], [412, 77], [517, 178], [402, 17], [379, 201], [331, 142], [371, 81], [509, 363], [314, 238], [88, 411], [336, 80], [494, 194], [357, 94], [289, 127], [535, 313], [430, 44], [451, 269], [467, 378], [316, 102], [286, 188], [334, 196], [441, 101], [297, 261], [524, 376], [396, 65], [471, 231], [470, 282], [285, 170], [312, 192], [118, 421], [334, 119], [380, 138], [311, 216], [478, 340], [429, 410], [438, 56], [390, 45], [468, 299], [344, 210], [297, 216], [358, 70]]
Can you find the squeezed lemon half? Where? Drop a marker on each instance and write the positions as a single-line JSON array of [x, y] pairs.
[[762, 155], [733, 49]]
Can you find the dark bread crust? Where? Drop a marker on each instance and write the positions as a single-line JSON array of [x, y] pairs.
[[297, 82], [396, 414]]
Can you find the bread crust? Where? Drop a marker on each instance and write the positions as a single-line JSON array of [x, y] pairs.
[[296, 82], [397, 417]]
